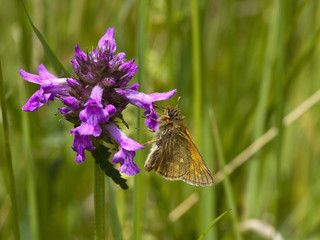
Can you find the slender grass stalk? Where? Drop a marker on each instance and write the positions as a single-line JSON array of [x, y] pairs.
[[8, 170], [99, 209], [196, 67], [209, 199], [115, 222], [280, 5], [25, 126], [197, 101], [31, 185], [226, 183], [253, 178], [138, 195], [138, 178]]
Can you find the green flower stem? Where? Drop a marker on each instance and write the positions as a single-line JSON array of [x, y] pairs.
[[99, 210], [8, 169], [115, 221]]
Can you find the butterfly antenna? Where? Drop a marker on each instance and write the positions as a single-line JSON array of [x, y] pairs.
[[158, 106], [178, 101]]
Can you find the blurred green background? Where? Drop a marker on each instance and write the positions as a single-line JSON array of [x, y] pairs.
[[252, 62]]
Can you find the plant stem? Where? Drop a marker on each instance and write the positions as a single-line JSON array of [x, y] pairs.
[[99, 210], [115, 221]]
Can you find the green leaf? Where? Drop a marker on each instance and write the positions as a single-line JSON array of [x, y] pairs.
[[59, 68], [101, 154]]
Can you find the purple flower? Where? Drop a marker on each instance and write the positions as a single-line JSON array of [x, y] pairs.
[[50, 87], [95, 98], [145, 101], [127, 152], [94, 114], [81, 143]]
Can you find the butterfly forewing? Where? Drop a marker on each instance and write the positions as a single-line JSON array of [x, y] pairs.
[[173, 163]]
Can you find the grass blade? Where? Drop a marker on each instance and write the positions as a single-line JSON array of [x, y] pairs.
[[59, 68], [226, 183], [269, 60], [213, 223], [8, 170], [138, 191]]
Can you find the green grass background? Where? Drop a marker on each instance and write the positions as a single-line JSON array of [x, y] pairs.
[[250, 61]]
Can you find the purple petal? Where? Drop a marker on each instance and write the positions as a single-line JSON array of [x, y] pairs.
[[79, 54], [120, 58], [125, 157], [111, 109], [127, 152], [64, 111], [129, 68], [57, 87], [127, 65], [72, 82], [94, 114], [71, 102], [35, 101], [151, 119], [81, 143], [107, 41], [30, 77], [50, 87], [122, 139], [145, 101], [75, 64], [134, 86], [162, 96], [87, 129], [44, 73]]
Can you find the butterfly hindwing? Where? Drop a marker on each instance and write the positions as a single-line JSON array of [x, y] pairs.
[[198, 173]]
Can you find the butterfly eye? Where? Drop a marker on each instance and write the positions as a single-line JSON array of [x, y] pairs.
[[171, 113]]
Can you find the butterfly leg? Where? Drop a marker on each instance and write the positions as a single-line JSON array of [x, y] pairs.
[[150, 142]]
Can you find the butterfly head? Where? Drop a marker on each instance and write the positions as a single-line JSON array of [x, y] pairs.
[[171, 113]]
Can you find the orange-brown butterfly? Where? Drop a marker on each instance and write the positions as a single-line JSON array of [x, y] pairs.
[[174, 155]]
